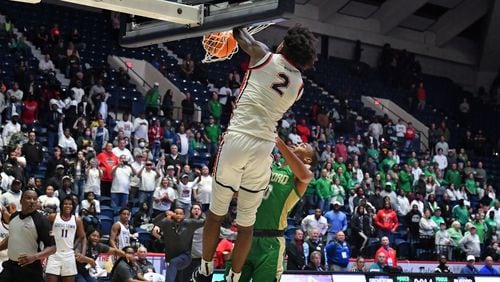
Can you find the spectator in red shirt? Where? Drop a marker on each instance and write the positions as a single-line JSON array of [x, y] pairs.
[[421, 96], [390, 253], [341, 149], [30, 112], [107, 160], [410, 136], [155, 136], [303, 131], [386, 219]]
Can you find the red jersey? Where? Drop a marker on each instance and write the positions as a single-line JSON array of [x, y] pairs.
[[106, 162], [410, 133], [30, 111], [304, 132], [386, 220], [421, 95], [155, 134]]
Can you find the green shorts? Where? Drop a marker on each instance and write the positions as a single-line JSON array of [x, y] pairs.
[[264, 262]]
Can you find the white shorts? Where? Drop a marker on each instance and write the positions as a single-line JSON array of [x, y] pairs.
[[62, 264], [243, 165]]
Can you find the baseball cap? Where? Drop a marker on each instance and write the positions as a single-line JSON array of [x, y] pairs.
[[15, 114], [156, 84], [471, 257], [66, 177], [60, 166], [170, 167], [336, 203], [184, 175]]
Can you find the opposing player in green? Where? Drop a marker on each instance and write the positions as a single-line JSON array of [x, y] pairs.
[[287, 185]]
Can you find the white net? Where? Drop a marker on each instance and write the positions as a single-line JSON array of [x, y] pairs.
[[216, 44]]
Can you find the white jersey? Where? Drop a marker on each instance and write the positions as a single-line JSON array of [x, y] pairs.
[[64, 233], [268, 90], [123, 237]]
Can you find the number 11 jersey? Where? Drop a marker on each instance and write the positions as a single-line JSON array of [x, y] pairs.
[[268, 90], [64, 233]]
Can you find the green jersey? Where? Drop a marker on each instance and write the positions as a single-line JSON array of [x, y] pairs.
[[453, 176], [152, 98], [215, 109], [389, 162], [405, 181], [324, 188], [411, 161], [278, 200], [461, 214], [213, 132], [470, 184], [374, 154]]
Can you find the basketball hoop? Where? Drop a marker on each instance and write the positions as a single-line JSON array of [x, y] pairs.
[[221, 46]]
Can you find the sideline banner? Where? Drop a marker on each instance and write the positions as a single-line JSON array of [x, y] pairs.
[[413, 271]]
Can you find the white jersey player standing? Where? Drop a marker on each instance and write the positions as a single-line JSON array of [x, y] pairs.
[[271, 86], [65, 227]]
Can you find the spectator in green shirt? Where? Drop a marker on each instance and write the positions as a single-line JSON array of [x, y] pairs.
[[152, 99], [461, 212], [453, 176], [412, 159], [374, 153], [212, 135], [352, 181], [481, 228], [491, 223], [341, 176], [390, 161], [437, 218], [324, 190], [405, 179], [339, 163], [215, 107], [455, 232], [471, 185]]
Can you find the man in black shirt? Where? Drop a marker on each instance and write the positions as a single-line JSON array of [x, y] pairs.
[[178, 233], [26, 230], [443, 266], [33, 153]]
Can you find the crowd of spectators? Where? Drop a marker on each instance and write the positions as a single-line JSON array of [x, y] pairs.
[[364, 192]]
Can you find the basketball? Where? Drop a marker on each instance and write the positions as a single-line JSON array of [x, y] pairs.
[[216, 45]]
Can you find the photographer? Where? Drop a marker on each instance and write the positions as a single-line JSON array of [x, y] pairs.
[[122, 174]]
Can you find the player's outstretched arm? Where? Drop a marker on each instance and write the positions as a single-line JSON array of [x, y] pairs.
[[255, 49], [302, 173]]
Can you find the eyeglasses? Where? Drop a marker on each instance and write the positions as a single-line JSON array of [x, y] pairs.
[[149, 164]]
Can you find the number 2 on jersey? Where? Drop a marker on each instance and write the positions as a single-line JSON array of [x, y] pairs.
[[282, 84]]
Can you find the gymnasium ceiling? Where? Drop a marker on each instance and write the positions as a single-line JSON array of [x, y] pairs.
[[470, 25]]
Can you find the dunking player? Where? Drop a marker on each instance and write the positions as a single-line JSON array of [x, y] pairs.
[[65, 227], [271, 86], [288, 184]]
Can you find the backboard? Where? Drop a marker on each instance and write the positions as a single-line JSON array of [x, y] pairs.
[[217, 16]]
